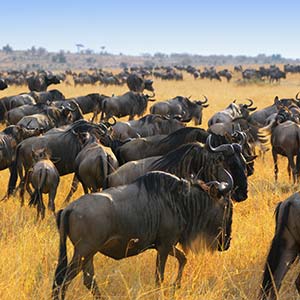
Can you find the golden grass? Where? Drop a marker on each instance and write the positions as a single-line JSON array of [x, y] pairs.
[[28, 250]]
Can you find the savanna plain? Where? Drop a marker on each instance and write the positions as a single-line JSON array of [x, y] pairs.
[[29, 249]]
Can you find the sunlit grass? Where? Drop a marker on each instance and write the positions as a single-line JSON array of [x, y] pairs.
[[28, 250]]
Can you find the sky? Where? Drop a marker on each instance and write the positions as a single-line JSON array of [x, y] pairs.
[[140, 26]]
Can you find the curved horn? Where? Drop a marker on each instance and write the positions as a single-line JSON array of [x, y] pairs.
[[251, 103], [242, 135], [297, 96], [225, 187], [69, 107], [222, 148], [203, 102]]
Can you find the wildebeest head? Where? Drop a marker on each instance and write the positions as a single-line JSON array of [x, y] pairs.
[[199, 109], [220, 193], [149, 85], [236, 164], [52, 79], [246, 108]]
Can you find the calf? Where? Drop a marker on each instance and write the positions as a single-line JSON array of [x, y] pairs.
[[44, 178]]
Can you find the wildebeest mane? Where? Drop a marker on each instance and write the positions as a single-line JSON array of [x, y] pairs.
[[185, 135], [189, 204], [189, 160]]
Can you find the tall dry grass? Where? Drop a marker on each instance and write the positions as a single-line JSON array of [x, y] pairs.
[[28, 250]]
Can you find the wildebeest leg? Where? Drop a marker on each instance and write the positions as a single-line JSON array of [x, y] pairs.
[[293, 167], [285, 261], [73, 268], [73, 189], [274, 153], [297, 283], [182, 262], [89, 280], [161, 259], [51, 198], [289, 170]]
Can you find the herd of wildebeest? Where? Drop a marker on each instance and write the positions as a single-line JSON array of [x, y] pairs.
[[163, 183]]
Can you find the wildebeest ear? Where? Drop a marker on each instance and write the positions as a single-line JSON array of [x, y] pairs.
[[205, 105]]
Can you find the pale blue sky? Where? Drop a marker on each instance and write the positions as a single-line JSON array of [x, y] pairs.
[[137, 26]]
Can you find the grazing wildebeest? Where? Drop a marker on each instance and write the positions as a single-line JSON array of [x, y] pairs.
[[44, 178], [181, 106], [225, 73], [14, 115], [7, 103], [158, 211], [3, 84], [284, 247], [63, 144], [136, 83], [40, 83], [130, 103], [158, 144], [231, 112], [92, 165], [145, 126], [51, 117]]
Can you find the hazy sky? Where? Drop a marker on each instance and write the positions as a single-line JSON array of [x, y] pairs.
[[138, 26]]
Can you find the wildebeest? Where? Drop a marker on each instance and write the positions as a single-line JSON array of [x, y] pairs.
[[225, 73], [44, 178], [91, 103], [92, 165], [51, 117], [145, 126], [194, 161], [3, 84], [136, 83], [10, 137], [40, 83], [63, 144], [139, 148], [7, 103], [130, 104], [285, 140], [158, 211], [231, 112], [181, 106], [284, 247], [260, 116], [48, 96]]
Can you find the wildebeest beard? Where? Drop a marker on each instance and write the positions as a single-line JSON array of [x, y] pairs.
[[198, 216]]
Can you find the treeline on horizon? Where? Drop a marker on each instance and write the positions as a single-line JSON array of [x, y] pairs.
[[39, 57]]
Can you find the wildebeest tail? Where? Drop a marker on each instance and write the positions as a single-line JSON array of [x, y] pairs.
[[298, 155], [36, 198], [275, 250], [62, 221]]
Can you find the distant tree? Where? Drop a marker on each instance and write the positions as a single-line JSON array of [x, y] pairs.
[[79, 46], [7, 49]]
